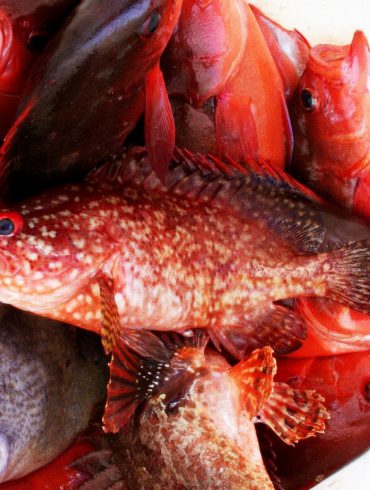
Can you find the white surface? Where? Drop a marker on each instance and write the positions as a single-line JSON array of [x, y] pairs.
[[354, 476], [320, 21]]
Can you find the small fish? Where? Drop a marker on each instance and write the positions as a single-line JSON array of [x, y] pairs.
[[53, 381], [26, 28], [233, 68], [217, 249], [331, 122], [344, 382], [88, 93], [195, 428]]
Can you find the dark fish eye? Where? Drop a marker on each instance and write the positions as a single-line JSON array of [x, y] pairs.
[[37, 41], [10, 223], [6, 227], [308, 101], [151, 24]]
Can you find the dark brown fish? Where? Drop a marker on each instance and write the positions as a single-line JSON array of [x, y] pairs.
[[52, 381], [87, 93]]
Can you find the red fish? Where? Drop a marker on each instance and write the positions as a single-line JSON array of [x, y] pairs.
[[233, 68], [332, 122], [344, 381], [214, 249], [332, 156], [289, 49], [87, 95], [196, 424], [26, 27]]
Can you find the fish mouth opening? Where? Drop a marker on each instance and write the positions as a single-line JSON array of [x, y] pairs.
[[4, 454]]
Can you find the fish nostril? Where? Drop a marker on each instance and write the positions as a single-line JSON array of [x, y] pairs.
[[4, 453]]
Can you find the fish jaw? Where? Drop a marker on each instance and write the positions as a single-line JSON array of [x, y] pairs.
[[333, 138]]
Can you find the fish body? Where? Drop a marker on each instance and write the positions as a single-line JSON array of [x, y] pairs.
[[95, 71], [343, 381], [26, 27], [195, 428], [233, 71], [331, 121], [214, 249], [52, 383]]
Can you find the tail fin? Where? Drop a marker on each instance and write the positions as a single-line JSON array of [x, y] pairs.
[[349, 275]]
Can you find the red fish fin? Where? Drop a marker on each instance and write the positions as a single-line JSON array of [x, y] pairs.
[[280, 328], [348, 275], [288, 132], [358, 61], [362, 197], [159, 123], [236, 134], [97, 471], [294, 414], [143, 364], [289, 49], [110, 319], [254, 377]]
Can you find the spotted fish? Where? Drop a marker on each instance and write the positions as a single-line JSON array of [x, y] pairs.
[[216, 248], [53, 381], [195, 428]]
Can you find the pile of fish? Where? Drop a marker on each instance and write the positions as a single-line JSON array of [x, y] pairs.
[[149, 195]]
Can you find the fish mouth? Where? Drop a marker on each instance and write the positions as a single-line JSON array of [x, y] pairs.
[[327, 60], [4, 454]]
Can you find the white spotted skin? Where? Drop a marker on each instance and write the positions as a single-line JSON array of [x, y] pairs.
[[176, 262]]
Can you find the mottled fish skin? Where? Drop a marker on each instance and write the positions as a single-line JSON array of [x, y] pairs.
[[195, 426], [88, 93], [52, 383], [177, 258]]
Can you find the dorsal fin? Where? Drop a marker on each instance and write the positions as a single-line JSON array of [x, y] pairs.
[[250, 191], [137, 372]]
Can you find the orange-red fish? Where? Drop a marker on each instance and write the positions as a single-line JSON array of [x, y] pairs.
[[344, 382], [332, 155], [88, 93], [195, 428], [218, 62], [215, 249], [331, 122], [53, 380], [25, 29]]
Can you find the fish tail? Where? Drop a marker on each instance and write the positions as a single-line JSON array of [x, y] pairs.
[[294, 414], [348, 276]]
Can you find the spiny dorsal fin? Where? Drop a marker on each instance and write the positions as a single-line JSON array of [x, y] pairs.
[[254, 377], [294, 414], [250, 191], [145, 364]]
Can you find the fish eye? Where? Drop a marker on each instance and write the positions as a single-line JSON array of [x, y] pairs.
[[10, 223], [309, 101], [151, 24], [37, 41]]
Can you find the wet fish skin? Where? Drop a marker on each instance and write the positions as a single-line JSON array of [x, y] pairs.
[[88, 93], [52, 382], [258, 240]]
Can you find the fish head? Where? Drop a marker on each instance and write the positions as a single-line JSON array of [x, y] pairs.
[[206, 48], [48, 250], [332, 106]]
